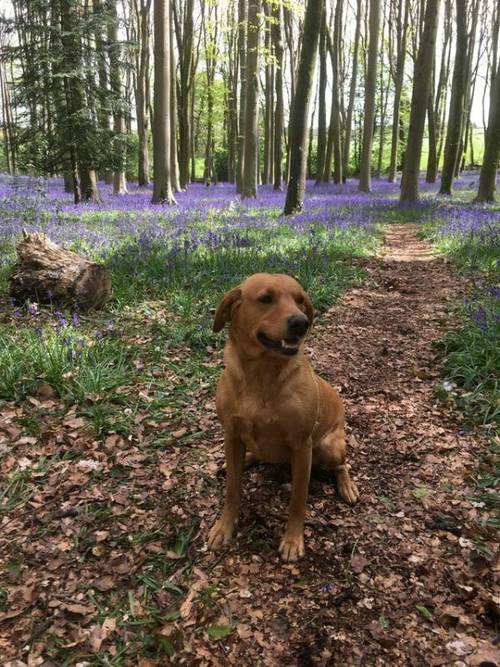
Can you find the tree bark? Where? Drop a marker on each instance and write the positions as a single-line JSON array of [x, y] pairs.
[[402, 32], [267, 171], [119, 138], [251, 145], [334, 141], [141, 96], [383, 94], [352, 91], [162, 189], [278, 82], [457, 101], [370, 89], [321, 149], [491, 158], [300, 108], [185, 32], [421, 89], [432, 166], [46, 273], [242, 31], [174, 164]]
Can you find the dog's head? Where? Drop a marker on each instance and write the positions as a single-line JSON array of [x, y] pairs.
[[268, 313]]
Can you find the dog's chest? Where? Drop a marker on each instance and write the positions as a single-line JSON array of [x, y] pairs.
[[263, 430]]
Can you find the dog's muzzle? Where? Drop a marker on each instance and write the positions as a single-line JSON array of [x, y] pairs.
[[287, 346]]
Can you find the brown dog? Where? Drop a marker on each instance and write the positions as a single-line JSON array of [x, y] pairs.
[[272, 404]]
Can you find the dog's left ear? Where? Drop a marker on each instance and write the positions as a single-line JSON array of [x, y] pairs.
[[223, 312], [309, 308]]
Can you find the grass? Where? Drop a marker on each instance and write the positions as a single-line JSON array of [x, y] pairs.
[[471, 363], [471, 352], [149, 361], [167, 282]]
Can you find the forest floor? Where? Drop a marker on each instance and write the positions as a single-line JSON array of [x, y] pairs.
[[405, 577]]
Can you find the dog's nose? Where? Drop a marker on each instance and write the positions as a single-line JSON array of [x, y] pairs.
[[297, 325]]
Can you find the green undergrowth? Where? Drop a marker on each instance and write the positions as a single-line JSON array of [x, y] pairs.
[[156, 333], [471, 351]]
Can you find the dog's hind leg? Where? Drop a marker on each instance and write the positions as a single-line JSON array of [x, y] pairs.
[[331, 451]]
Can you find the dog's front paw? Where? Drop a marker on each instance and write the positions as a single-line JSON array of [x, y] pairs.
[[292, 547], [347, 489], [220, 534]]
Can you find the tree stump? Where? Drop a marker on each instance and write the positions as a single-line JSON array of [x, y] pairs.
[[47, 273]]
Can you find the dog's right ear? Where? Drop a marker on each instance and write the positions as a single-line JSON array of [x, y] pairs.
[[223, 312]]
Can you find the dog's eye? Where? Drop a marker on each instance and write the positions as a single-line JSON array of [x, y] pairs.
[[300, 300], [266, 298]]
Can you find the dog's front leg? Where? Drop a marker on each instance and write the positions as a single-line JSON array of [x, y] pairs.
[[222, 530], [292, 543]]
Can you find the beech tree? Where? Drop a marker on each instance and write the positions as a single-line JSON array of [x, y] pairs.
[[369, 104], [184, 31], [76, 92], [251, 143], [422, 80], [300, 108], [142, 93], [491, 158], [455, 115], [162, 169], [352, 89], [119, 139], [276, 36]]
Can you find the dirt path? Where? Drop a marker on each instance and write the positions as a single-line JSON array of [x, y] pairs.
[[113, 562], [395, 580]]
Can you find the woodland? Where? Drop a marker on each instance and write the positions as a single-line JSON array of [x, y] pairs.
[[154, 154]]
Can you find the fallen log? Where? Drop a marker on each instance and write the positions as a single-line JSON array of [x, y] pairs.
[[46, 273]]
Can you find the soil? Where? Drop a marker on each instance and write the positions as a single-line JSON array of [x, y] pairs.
[[405, 577]]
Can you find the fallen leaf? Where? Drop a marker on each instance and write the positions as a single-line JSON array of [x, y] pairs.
[[219, 631]]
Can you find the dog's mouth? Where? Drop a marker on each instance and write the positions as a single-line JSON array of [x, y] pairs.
[[286, 346]]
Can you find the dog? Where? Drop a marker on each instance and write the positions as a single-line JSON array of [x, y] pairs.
[[271, 404]]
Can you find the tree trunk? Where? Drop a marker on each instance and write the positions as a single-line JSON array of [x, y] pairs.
[[384, 94], [432, 165], [142, 102], [46, 273], [267, 171], [370, 90], [242, 31], [251, 145], [336, 93], [186, 79], [457, 101], [88, 185], [119, 138], [162, 189], [5, 122], [174, 164], [487, 177], [79, 129], [321, 150], [402, 32], [278, 112], [442, 86], [300, 108], [352, 91], [421, 90]]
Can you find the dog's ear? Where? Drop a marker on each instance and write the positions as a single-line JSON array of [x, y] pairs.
[[309, 308], [223, 312]]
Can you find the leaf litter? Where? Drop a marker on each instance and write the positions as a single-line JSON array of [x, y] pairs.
[[102, 542]]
